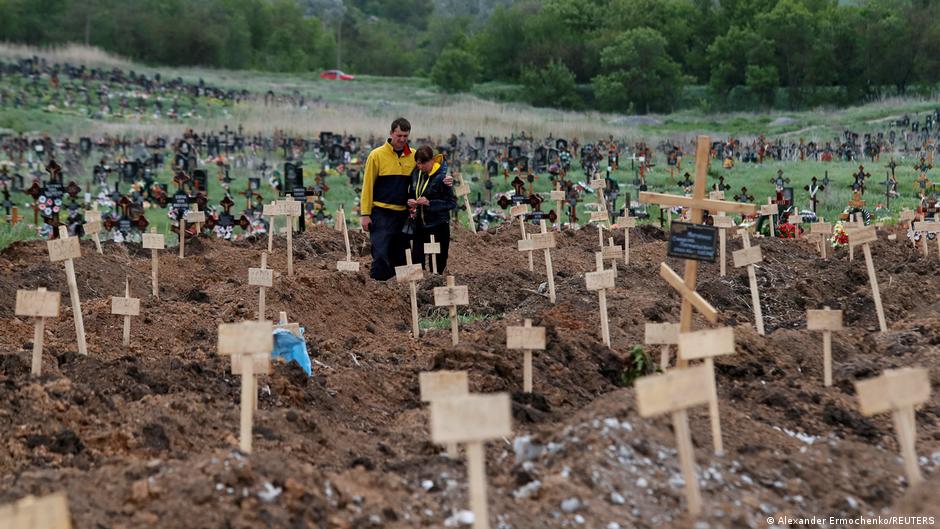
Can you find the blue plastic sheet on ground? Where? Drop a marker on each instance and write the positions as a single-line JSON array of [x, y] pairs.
[[292, 348]]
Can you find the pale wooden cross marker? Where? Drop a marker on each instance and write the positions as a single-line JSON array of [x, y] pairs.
[[409, 273], [697, 203], [282, 323], [750, 256], [47, 512], [826, 321], [601, 280], [340, 224], [925, 228], [722, 222], [664, 335], [519, 211], [436, 385], [272, 211], [451, 296], [527, 338], [92, 226], [905, 217], [249, 343], [599, 185], [612, 252], [626, 222], [851, 226], [39, 305], [433, 249], [542, 241], [822, 230], [66, 249], [262, 278], [473, 419], [770, 210], [674, 392], [127, 307], [796, 219], [154, 242], [707, 344], [462, 190], [863, 237], [599, 217], [192, 217], [558, 196], [898, 391], [291, 209]]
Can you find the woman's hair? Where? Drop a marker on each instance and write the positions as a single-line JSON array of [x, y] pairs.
[[424, 154]]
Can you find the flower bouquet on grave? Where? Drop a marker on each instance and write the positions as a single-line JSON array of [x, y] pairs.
[[840, 239], [786, 230]]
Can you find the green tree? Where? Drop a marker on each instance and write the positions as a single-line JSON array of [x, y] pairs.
[[551, 86], [639, 74], [763, 82], [455, 70]]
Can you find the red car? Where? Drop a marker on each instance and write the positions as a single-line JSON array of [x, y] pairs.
[[336, 74]]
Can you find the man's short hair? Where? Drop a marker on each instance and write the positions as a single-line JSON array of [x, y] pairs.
[[424, 154], [401, 124]]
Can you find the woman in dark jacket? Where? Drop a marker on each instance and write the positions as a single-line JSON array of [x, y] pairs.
[[431, 197]]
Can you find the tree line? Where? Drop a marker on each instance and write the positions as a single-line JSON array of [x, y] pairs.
[[632, 56]]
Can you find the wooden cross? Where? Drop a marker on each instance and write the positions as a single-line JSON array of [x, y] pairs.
[[47, 512], [340, 223], [770, 210], [707, 344], [291, 209], [542, 241], [599, 185], [127, 307], [451, 296], [272, 211], [674, 392], [925, 228], [67, 249], [697, 203], [898, 391], [557, 196], [600, 217], [154, 242], [520, 211], [462, 190], [750, 256], [663, 335], [626, 222], [249, 343], [826, 321], [433, 249], [473, 419], [612, 252], [262, 278], [92, 227], [436, 385], [410, 273], [722, 222], [282, 323], [527, 338], [39, 305], [191, 217], [601, 280], [863, 237], [822, 230]]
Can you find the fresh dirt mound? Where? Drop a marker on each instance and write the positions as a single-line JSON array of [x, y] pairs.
[[144, 437]]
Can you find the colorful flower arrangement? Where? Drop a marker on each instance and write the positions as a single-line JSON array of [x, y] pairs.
[[786, 230], [839, 238]]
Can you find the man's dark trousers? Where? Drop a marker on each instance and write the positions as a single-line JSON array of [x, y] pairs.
[[388, 243]]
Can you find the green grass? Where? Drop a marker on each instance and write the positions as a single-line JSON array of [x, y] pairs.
[[440, 320], [11, 233]]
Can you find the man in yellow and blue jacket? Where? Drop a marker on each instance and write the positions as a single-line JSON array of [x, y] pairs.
[[384, 200]]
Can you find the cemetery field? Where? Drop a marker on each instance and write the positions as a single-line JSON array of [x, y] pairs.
[[146, 436]]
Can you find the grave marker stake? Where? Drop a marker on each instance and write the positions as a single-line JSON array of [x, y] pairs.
[[749, 256], [520, 212], [66, 249], [127, 307], [247, 342], [291, 210], [154, 242], [898, 391], [626, 222], [463, 190], [47, 512], [925, 228], [549, 272], [864, 236], [822, 230], [472, 420], [263, 279], [664, 335], [410, 273], [544, 240], [38, 304], [340, 224], [93, 226], [436, 385], [826, 321], [433, 248], [451, 296], [527, 338], [601, 280], [707, 344]]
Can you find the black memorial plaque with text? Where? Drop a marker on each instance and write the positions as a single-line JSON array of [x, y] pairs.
[[693, 241]]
